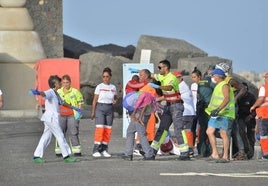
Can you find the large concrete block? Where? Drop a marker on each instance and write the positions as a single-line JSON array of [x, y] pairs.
[[166, 48], [16, 79], [20, 46], [12, 3], [202, 63], [15, 19], [93, 63]]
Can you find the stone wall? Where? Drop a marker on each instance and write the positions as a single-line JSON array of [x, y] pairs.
[[48, 22]]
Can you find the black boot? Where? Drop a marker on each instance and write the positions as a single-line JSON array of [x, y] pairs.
[[127, 157], [185, 155]]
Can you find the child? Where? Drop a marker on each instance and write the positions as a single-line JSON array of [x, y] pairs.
[[51, 121]]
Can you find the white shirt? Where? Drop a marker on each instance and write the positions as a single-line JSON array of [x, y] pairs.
[[194, 88], [0, 92], [262, 92], [106, 93], [187, 97], [51, 106]]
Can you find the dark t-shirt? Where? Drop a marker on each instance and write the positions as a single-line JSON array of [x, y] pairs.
[[244, 104]]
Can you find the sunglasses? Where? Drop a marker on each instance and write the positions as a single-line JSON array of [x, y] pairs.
[[159, 67]]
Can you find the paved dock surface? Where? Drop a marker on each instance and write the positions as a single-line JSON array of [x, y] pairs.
[[19, 137]]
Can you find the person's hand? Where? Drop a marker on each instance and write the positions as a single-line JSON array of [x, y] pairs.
[[248, 118], [153, 85], [215, 113], [92, 115], [133, 70], [76, 109], [77, 115], [258, 137], [252, 109], [34, 92]]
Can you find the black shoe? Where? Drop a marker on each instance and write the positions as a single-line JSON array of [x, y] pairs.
[[185, 156], [191, 152], [127, 157], [149, 158], [59, 155], [78, 154]]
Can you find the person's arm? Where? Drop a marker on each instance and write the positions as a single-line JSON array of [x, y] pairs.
[[258, 102], [94, 103], [141, 115], [241, 89], [115, 99]]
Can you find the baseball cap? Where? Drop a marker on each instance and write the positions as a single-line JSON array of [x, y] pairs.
[[177, 73], [217, 71], [266, 74]]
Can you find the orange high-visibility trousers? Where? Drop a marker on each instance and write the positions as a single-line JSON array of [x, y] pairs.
[[107, 134], [150, 129], [264, 145], [98, 136], [190, 138]]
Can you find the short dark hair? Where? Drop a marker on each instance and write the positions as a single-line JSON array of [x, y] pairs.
[[108, 70], [197, 72], [166, 63], [147, 72], [53, 79]]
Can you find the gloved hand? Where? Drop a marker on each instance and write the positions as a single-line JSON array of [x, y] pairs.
[[215, 113], [258, 137], [34, 92], [133, 70], [77, 115], [76, 109], [153, 85]]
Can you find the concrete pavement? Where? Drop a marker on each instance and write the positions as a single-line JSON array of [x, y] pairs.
[[19, 137]]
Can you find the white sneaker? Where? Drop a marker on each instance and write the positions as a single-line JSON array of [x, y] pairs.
[[96, 154], [106, 154], [137, 152]]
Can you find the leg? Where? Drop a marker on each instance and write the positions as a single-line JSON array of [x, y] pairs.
[[225, 140], [130, 139], [57, 132], [212, 139], [63, 125], [43, 142], [161, 132]]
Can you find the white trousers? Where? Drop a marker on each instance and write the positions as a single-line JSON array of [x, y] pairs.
[[52, 128]]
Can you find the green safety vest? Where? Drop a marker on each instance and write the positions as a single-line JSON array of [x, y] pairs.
[[216, 100]]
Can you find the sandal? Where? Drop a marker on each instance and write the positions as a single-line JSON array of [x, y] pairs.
[[211, 158], [241, 156], [222, 160]]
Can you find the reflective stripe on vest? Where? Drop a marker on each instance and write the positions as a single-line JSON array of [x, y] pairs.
[[216, 100], [65, 111], [171, 97], [262, 111]]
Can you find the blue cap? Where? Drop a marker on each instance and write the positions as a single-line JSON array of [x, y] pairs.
[[218, 72]]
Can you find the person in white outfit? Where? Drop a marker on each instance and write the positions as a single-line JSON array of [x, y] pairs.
[[51, 121]]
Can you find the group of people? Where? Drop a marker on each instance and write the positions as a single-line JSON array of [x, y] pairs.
[[214, 106], [63, 104]]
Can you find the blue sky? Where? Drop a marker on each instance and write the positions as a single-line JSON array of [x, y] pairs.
[[232, 29]]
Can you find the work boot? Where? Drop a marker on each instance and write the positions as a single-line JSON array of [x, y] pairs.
[[185, 155], [127, 157], [149, 158]]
